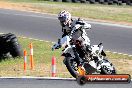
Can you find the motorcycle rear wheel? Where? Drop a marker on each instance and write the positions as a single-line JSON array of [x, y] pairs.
[[106, 69]]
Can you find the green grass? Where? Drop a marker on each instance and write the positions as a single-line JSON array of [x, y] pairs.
[[42, 60], [92, 11]]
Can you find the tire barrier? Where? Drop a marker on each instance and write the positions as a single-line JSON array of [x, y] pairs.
[[105, 2], [9, 46]]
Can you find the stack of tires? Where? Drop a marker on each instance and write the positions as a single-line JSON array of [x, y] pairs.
[[128, 2], [107, 2], [111, 2], [9, 46]]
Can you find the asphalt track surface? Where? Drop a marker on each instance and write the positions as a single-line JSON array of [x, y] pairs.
[[55, 83], [115, 38]]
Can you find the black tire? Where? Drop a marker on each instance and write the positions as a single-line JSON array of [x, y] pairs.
[[115, 1], [101, 1], [105, 2], [13, 46], [129, 2], [76, 1], [68, 0], [16, 50], [58, 0], [3, 46], [81, 80], [69, 64], [120, 3], [123, 1], [87, 2], [51, 0], [92, 1], [105, 69], [9, 44], [110, 2], [10, 36], [83, 1]]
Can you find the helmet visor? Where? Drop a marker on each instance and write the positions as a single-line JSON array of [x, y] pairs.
[[63, 20]]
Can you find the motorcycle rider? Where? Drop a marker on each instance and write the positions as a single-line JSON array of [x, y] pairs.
[[69, 26]]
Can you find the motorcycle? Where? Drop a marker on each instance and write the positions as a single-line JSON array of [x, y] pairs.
[[92, 58]]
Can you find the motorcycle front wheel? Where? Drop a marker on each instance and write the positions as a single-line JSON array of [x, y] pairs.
[[72, 66]]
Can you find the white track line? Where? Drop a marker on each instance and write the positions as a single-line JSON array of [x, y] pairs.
[[119, 53], [30, 77]]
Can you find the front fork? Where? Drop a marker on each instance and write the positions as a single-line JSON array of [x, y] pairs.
[[77, 58]]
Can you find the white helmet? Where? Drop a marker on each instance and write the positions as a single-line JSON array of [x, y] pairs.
[[64, 17]]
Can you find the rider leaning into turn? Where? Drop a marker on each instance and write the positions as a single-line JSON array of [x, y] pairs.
[[75, 36]]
